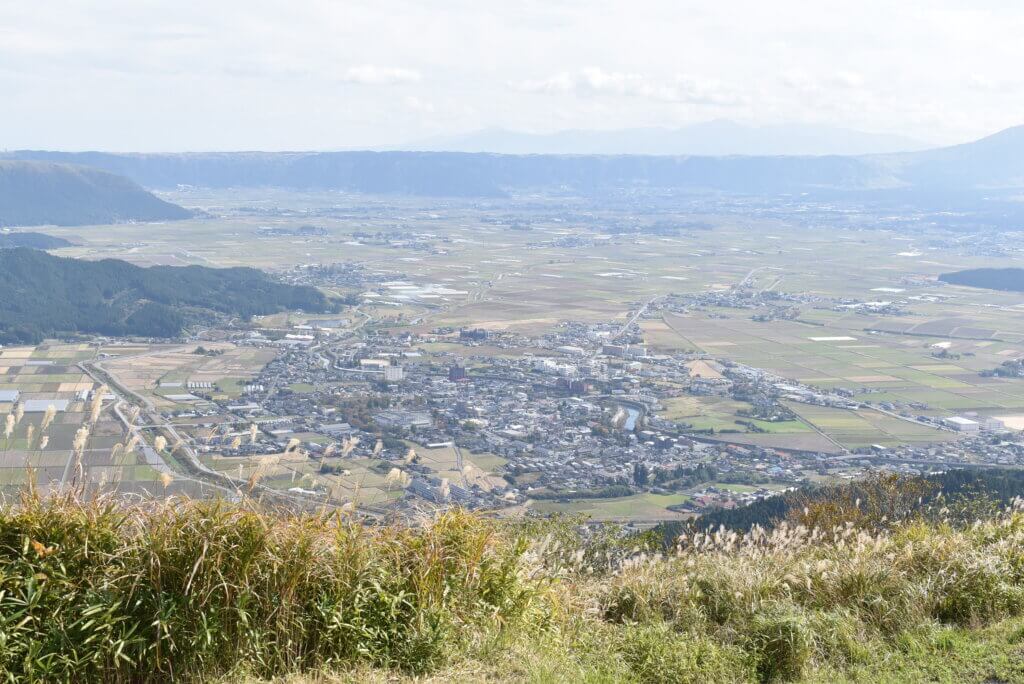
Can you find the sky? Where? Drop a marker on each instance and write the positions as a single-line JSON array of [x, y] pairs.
[[150, 75]]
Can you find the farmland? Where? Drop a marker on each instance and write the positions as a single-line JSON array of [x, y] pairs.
[[47, 375], [838, 308], [162, 374]]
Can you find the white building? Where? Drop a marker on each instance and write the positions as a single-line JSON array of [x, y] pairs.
[[961, 424], [992, 425]]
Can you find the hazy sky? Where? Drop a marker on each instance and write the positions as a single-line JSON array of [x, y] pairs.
[[304, 74]]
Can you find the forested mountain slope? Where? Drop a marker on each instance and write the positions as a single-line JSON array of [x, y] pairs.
[[42, 295]]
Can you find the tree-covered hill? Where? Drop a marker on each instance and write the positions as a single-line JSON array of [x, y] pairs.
[[41, 193], [997, 484], [33, 240], [42, 295], [1009, 279]]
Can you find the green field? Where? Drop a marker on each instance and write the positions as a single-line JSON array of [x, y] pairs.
[[638, 506], [719, 414]]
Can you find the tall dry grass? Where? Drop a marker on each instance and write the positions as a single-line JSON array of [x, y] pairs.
[[104, 590], [797, 598], [101, 590]]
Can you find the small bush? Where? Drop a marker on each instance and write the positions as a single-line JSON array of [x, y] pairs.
[[976, 594], [782, 644], [657, 655]]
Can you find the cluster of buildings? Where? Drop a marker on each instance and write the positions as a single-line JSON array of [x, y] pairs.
[[570, 413]]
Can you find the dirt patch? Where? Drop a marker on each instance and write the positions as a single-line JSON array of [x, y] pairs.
[[704, 369]]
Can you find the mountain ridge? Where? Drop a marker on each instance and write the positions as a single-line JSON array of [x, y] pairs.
[[721, 137], [996, 161]]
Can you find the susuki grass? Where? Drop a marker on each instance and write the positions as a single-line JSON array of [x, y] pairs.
[[103, 590], [177, 589]]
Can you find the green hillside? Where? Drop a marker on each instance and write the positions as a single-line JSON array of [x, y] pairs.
[[41, 193], [1008, 279], [42, 295], [9, 240]]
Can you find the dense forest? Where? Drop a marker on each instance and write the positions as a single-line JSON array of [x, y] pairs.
[[42, 193], [1009, 279], [42, 295], [1001, 485], [33, 240]]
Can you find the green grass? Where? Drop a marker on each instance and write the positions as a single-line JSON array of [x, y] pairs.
[[187, 590], [944, 654], [638, 506], [232, 387], [782, 427], [181, 590], [738, 488]]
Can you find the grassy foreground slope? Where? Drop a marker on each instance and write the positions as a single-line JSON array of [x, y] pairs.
[[180, 590]]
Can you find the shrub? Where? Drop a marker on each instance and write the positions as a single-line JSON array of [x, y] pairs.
[[97, 590], [657, 655], [782, 644]]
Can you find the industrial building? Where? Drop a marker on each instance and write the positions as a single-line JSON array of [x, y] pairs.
[[961, 424], [403, 420]]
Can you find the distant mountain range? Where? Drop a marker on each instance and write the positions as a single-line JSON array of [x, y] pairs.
[[42, 295], [34, 193], [995, 163], [709, 139]]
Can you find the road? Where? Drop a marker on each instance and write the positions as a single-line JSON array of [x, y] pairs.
[[633, 319], [200, 473], [746, 278], [460, 466], [908, 419], [820, 432]]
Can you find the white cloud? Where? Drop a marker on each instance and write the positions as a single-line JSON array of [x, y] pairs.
[[804, 82], [418, 105], [368, 74], [314, 74], [679, 89], [560, 83], [847, 79]]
